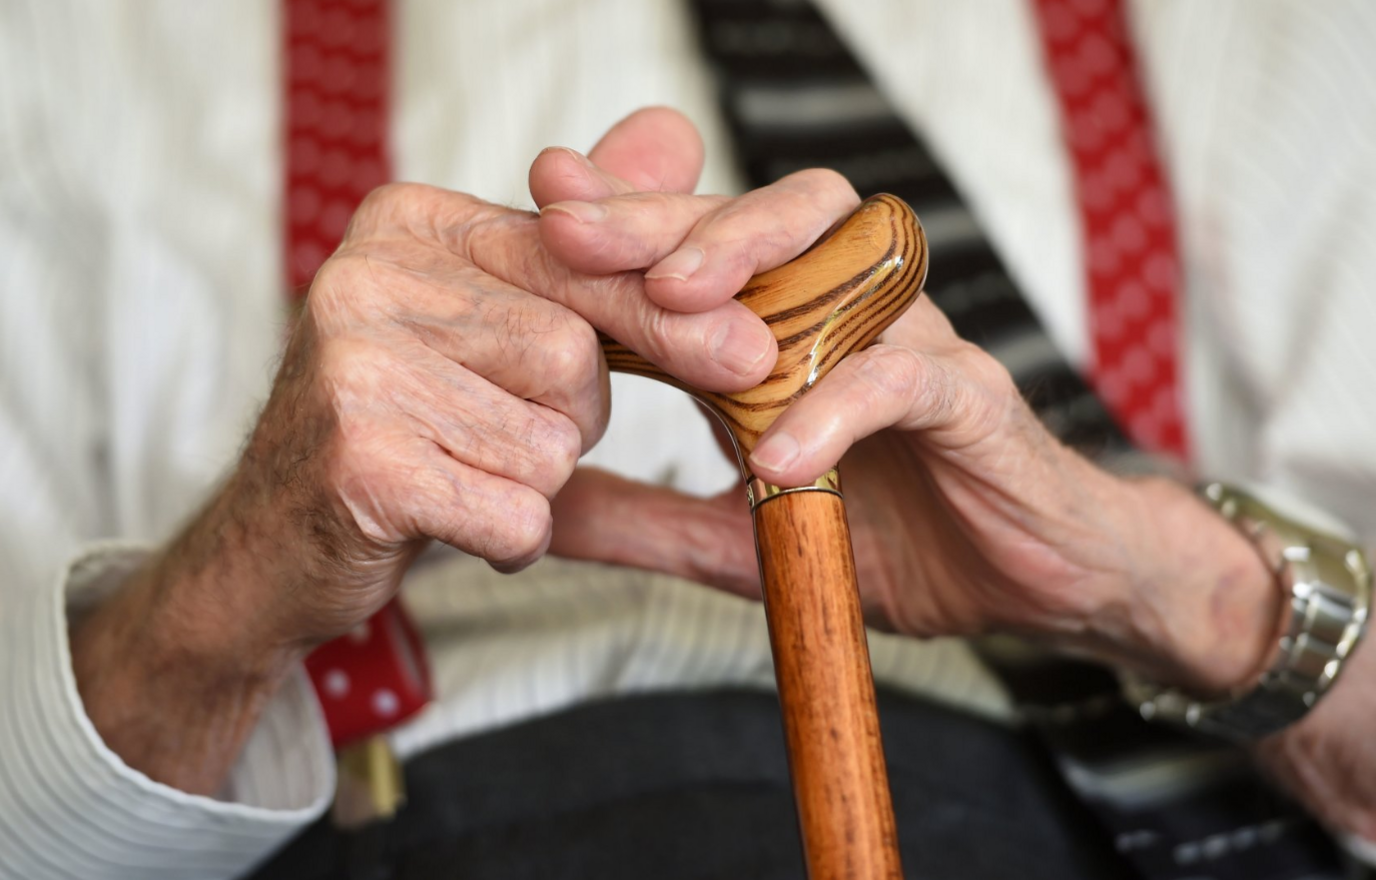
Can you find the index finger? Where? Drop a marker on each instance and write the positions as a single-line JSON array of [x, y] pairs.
[[698, 251], [726, 348]]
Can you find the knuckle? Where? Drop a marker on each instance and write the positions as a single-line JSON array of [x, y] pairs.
[[570, 353], [387, 198], [963, 389], [519, 538], [413, 209], [920, 385], [891, 373], [990, 372], [346, 283], [381, 207], [481, 232], [825, 179], [334, 282]]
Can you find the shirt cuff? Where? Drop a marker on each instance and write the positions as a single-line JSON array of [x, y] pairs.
[[70, 808]]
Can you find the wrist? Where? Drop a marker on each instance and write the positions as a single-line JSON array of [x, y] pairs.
[[171, 676], [1196, 605]]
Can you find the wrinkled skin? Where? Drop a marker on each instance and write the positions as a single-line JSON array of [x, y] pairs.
[[444, 378], [440, 383], [967, 515]]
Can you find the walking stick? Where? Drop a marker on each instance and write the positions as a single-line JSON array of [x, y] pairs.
[[827, 303]]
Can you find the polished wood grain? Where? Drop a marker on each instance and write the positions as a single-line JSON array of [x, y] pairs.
[[826, 690], [831, 301], [834, 299]]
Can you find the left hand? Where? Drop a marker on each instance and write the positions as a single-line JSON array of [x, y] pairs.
[[967, 515]]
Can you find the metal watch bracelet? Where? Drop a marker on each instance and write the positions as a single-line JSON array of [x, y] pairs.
[[1327, 583]]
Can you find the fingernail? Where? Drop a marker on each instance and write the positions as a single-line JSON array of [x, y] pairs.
[[776, 453], [583, 212], [740, 346], [582, 160], [681, 264]]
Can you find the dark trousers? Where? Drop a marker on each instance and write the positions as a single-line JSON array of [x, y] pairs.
[[695, 785]]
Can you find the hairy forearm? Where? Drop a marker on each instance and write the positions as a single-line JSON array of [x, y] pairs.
[[171, 670]]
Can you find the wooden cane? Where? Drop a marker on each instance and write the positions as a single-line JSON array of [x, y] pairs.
[[827, 303]]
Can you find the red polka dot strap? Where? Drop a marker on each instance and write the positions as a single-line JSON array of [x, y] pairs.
[[336, 78], [1132, 268], [337, 91], [371, 679]]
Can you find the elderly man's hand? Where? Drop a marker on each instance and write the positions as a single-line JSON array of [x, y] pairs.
[[441, 383], [968, 516]]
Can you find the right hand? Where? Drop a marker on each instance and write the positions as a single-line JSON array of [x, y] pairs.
[[445, 374], [441, 383]]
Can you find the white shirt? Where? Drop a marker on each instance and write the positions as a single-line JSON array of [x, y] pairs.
[[141, 310]]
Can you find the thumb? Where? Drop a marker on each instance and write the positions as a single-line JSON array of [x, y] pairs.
[[601, 517], [652, 150]]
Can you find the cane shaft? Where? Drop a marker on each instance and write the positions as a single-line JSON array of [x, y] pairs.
[[822, 665], [831, 301]]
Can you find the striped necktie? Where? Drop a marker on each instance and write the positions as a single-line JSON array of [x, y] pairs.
[[795, 97]]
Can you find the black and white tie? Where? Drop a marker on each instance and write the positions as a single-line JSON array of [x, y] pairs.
[[1174, 806]]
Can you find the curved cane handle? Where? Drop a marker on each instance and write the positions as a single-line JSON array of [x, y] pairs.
[[832, 300], [829, 302]]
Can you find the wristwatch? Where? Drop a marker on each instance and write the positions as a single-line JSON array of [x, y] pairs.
[[1327, 581]]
